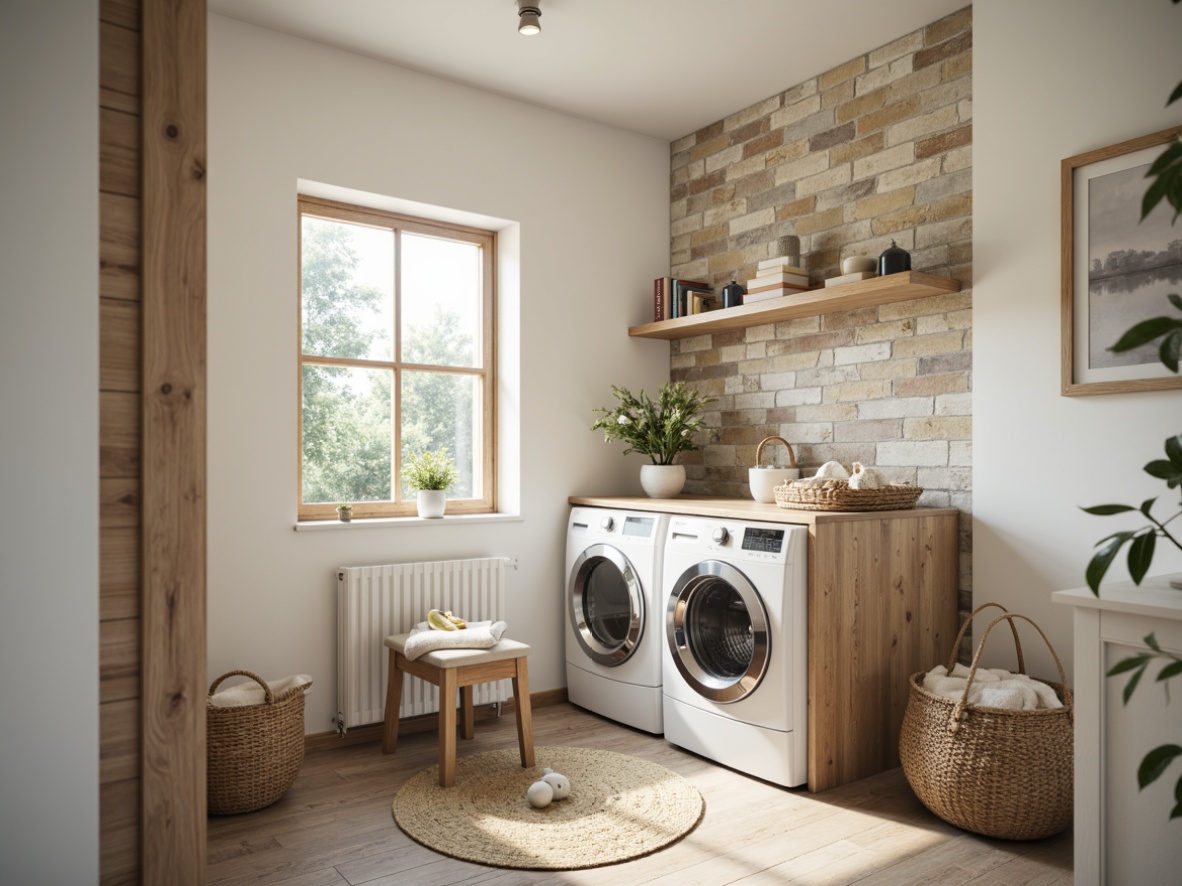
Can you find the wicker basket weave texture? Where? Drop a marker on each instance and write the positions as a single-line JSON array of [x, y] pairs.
[[836, 495], [1000, 773], [254, 751]]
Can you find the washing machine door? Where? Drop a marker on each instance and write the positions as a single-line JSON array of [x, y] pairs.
[[717, 630], [606, 605]]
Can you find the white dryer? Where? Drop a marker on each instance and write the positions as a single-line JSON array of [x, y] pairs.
[[735, 658], [614, 614]]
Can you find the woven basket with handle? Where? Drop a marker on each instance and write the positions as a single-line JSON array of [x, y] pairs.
[[1001, 773], [254, 751], [836, 495]]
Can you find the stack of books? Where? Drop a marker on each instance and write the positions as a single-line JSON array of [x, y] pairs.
[[680, 298], [775, 277], [850, 278]]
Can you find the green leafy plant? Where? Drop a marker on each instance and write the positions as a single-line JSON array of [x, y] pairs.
[[430, 470], [659, 428], [344, 507], [1166, 175]]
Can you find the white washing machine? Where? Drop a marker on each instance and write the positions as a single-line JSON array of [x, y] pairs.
[[614, 609], [735, 657]]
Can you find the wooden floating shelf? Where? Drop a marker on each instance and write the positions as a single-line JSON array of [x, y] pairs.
[[847, 297]]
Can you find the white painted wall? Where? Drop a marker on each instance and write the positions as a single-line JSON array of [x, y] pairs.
[[1051, 80], [49, 767], [590, 210]]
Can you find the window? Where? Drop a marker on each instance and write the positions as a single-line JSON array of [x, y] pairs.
[[396, 357]]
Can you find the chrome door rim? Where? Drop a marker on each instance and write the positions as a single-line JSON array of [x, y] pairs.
[[600, 653], [706, 684]]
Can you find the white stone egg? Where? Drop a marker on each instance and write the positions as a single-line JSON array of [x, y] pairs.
[[539, 794], [559, 783]]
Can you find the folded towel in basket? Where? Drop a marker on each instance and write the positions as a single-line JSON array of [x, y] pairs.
[[478, 635], [992, 688], [251, 692]]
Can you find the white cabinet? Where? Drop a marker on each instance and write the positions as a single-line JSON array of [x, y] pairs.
[[1124, 835]]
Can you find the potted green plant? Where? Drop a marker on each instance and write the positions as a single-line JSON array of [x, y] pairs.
[[430, 473], [345, 512], [660, 429]]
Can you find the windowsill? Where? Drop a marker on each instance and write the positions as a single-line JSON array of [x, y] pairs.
[[400, 522]]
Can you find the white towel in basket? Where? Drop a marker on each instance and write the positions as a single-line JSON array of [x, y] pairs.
[[251, 692], [992, 688]]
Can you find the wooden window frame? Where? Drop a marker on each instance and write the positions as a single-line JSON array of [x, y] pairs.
[[485, 373]]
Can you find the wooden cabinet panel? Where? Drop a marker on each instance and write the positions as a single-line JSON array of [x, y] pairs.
[[119, 740], [119, 152], [119, 59], [119, 840], [119, 246], [119, 434], [119, 572], [119, 659], [119, 345]]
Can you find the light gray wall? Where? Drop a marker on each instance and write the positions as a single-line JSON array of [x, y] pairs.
[[1051, 80], [49, 767], [588, 210]]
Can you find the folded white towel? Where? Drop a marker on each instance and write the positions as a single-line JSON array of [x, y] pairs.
[[833, 470], [478, 635], [251, 692], [992, 688]]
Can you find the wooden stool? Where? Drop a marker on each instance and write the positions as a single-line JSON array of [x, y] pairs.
[[452, 669]]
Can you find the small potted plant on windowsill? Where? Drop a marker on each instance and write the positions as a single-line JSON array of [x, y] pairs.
[[430, 473], [345, 512]]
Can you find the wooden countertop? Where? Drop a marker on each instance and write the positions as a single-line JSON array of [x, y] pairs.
[[744, 509]]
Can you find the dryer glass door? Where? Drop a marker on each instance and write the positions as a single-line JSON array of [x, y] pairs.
[[717, 629], [606, 605]]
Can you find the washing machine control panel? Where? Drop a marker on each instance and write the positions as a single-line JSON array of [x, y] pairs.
[[764, 541]]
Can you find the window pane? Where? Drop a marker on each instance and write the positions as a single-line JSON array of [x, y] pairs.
[[440, 410], [347, 452], [347, 289], [441, 299]]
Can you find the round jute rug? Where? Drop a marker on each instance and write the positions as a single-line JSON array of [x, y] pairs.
[[619, 808]]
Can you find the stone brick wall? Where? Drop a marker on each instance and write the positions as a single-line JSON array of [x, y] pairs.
[[877, 149]]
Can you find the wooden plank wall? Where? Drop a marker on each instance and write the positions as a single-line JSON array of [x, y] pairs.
[[120, 356]]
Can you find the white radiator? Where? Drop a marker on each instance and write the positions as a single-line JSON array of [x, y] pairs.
[[376, 601]]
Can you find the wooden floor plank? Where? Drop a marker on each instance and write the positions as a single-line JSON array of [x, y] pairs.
[[335, 827]]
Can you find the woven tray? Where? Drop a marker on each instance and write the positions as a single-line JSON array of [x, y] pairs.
[[836, 495]]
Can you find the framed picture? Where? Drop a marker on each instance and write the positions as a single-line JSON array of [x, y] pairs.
[[1116, 269]]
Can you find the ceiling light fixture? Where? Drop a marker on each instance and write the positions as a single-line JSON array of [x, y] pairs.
[[528, 14]]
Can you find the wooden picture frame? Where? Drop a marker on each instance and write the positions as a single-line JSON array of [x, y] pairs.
[[1101, 211]]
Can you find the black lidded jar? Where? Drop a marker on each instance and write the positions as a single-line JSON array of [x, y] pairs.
[[732, 294], [893, 260]]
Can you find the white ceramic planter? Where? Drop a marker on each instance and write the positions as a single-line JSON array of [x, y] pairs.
[[662, 481], [432, 503]]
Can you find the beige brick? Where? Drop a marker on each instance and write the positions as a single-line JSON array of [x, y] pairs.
[[812, 432], [896, 48], [884, 74], [957, 66], [942, 186], [708, 235], [798, 397], [786, 152], [952, 427], [763, 332], [679, 177], [891, 369], [909, 175], [954, 404], [731, 354], [889, 114], [683, 144], [832, 178], [850, 69], [793, 362], [931, 385], [892, 158], [678, 209], [705, 149], [933, 453], [752, 220], [945, 478], [944, 232], [679, 160], [796, 208], [917, 127], [889, 331], [945, 141], [893, 222], [685, 225], [725, 158], [725, 263], [831, 241], [858, 390], [763, 144], [839, 94], [859, 354], [799, 91], [896, 407], [960, 453], [933, 54], [952, 207], [874, 431], [691, 269], [860, 106], [855, 150], [949, 26], [680, 243], [797, 169], [884, 203], [829, 412], [679, 255], [794, 328], [777, 381], [964, 110], [919, 307], [797, 111], [696, 169], [681, 361], [696, 343], [755, 400], [724, 212], [745, 167], [936, 343], [723, 194], [754, 112]]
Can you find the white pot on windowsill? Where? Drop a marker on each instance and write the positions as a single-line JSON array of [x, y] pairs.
[[432, 503]]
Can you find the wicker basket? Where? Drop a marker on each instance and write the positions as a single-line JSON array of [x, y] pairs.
[[1001, 773], [254, 751], [836, 495]]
